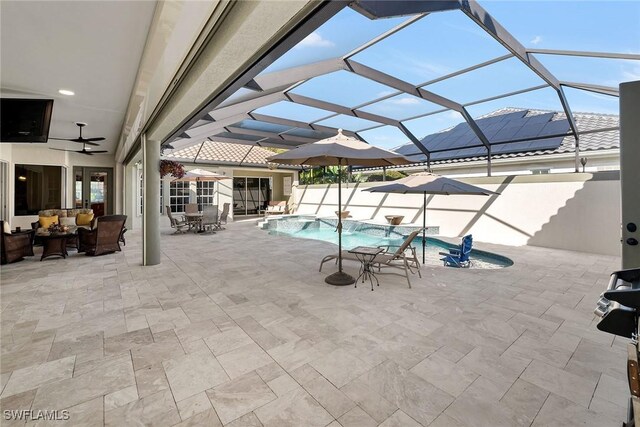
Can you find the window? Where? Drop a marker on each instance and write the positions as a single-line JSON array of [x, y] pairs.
[[38, 187], [205, 192], [178, 195]]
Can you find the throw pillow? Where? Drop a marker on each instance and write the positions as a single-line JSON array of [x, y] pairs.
[[46, 221], [6, 228], [84, 219], [68, 221]]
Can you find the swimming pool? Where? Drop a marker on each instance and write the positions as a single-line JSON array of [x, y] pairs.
[[356, 233]]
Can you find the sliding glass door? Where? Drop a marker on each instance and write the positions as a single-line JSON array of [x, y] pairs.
[[250, 195], [94, 190]]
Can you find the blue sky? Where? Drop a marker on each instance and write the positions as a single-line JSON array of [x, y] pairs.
[[445, 42]]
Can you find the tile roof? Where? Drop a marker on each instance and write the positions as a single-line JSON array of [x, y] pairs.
[[223, 153]]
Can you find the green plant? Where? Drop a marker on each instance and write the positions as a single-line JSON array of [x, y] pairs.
[[323, 175], [391, 175]]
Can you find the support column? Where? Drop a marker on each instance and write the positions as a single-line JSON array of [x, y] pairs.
[[630, 172], [489, 160], [129, 189], [151, 200]]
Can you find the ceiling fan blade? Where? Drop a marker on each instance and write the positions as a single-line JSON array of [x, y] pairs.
[[62, 149], [88, 153], [97, 138], [98, 151], [88, 143]]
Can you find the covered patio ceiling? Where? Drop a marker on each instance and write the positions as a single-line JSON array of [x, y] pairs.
[[399, 71]]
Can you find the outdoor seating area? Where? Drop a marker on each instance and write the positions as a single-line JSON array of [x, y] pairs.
[[207, 344], [402, 257], [208, 220], [102, 235], [355, 213]]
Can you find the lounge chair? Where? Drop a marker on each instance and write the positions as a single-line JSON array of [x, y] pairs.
[[210, 218], [403, 258], [276, 208], [178, 224], [459, 257]]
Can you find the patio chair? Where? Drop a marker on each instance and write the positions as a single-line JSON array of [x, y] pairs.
[[15, 246], [178, 224], [403, 258], [190, 208], [210, 218], [459, 257], [223, 216], [104, 238]]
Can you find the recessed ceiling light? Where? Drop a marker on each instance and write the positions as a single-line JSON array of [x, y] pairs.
[[66, 92]]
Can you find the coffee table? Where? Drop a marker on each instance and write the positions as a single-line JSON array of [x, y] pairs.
[[55, 244]]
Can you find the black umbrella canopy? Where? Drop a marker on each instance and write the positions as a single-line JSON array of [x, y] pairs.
[[339, 150], [429, 183]]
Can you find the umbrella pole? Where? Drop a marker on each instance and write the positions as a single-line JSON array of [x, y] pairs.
[[424, 226], [339, 278], [339, 220]]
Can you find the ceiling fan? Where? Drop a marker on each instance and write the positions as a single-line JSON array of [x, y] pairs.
[[84, 150], [80, 139]]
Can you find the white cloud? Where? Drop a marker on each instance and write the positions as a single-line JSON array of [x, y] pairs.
[[315, 40], [384, 93], [405, 100], [631, 74], [536, 40]]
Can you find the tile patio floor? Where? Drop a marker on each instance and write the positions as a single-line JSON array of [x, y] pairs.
[[239, 329]]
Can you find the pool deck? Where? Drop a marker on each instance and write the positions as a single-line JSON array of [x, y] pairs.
[[239, 329]]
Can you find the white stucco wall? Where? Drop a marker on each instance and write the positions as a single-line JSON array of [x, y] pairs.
[[574, 211], [39, 154]]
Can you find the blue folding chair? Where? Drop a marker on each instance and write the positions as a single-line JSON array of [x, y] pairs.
[[459, 257]]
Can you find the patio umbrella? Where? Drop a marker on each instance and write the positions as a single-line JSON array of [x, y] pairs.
[[428, 183], [203, 175], [339, 150]]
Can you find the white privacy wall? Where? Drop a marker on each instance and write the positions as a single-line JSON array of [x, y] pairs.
[[574, 211]]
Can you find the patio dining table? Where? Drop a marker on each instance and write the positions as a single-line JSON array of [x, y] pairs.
[[194, 220]]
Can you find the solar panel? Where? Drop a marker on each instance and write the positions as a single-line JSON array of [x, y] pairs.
[[407, 149], [461, 142], [546, 144], [555, 127]]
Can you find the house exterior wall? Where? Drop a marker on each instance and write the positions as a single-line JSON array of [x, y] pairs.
[[224, 188], [575, 211], [39, 154]]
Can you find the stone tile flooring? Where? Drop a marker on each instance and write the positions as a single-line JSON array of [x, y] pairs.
[[239, 329]]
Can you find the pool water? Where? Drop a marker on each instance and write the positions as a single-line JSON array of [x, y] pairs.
[[351, 239]]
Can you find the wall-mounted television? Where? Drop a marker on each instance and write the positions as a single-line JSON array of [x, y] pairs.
[[25, 120]]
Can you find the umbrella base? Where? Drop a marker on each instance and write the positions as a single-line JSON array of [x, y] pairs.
[[340, 278]]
